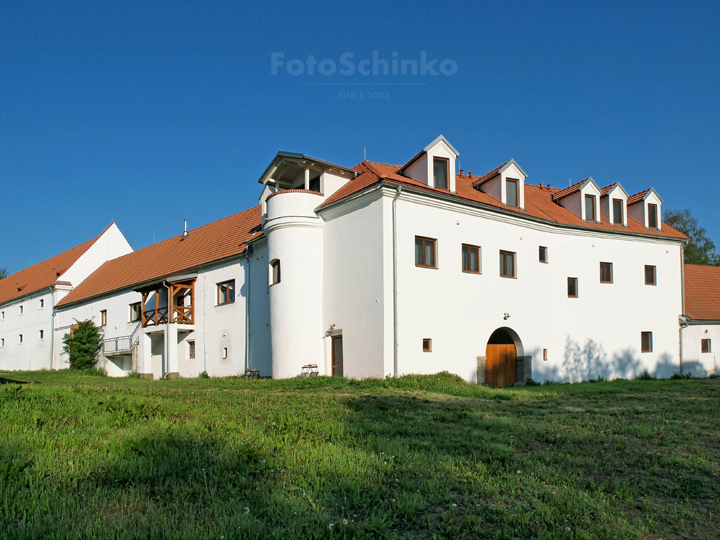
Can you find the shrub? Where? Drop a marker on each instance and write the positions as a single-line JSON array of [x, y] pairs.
[[531, 382], [678, 375], [645, 376], [81, 345], [204, 375]]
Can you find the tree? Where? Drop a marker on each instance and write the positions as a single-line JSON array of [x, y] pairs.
[[3, 273], [700, 249], [82, 344]]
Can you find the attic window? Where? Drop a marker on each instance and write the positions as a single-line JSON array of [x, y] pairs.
[[589, 207], [440, 172], [511, 189], [652, 216], [617, 211]]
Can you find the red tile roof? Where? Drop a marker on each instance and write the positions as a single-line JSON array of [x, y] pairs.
[[489, 176], [206, 244], [632, 199], [538, 201], [702, 292], [569, 190], [606, 189], [41, 275]]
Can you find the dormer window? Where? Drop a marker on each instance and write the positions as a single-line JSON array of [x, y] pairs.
[[617, 211], [652, 216], [440, 170], [590, 208], [512, 192]]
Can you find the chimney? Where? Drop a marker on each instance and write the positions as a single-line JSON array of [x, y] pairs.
[[185, 231], [470, 173], [461, 171]]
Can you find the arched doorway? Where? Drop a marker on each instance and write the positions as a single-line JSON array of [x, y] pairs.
[[501, 358]]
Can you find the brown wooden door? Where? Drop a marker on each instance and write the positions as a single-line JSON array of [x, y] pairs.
[[337, 356], [500, 366]]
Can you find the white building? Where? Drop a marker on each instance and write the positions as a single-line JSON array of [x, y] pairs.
[[380, 270], [29, 337], [701, 323]]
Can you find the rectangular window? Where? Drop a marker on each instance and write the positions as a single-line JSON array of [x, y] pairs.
[[20, 338], [470, 259], [646, 342], [2, 342], [543, 255], [2, 315], [606, 272], [572, 287], [191, 350], [440, 171], [42, 303], [507, 264], [427, 345], [224, 353], [315, 185], [22, 309], [425, 251], [275, 267], [589, 207], [103, 317], [650, 276], [617, 211], [512, 194], [706, 346], [652, 216], [42, 334], [545, 354], [226, 292], [135, 312]]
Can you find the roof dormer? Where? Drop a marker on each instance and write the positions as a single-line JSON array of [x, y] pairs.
[[434, 166], [613, 204], [582, 199], [645, 208], [505, 184]]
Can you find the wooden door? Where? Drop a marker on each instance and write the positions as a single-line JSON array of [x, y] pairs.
[[500, 366], [337, 356]]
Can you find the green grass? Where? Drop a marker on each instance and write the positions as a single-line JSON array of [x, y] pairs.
[[83, 456]]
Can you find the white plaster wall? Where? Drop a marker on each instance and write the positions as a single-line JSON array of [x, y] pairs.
[[353, 288], [695, 361], [33, 353], [110, 245], [330, 183], [418, 170], [260, 346], [595, 334]]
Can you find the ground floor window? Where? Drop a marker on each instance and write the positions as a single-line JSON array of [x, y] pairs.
[[191, 350], [646, 342], [706, 346]]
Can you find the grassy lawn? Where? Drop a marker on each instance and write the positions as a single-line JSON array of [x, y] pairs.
[[83, 456]]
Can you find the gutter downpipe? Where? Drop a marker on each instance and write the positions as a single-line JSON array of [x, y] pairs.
[[395, 303], [247, 308], [683, 317], [166, 341]]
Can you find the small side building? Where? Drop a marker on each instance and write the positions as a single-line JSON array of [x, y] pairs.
[[700, 327]]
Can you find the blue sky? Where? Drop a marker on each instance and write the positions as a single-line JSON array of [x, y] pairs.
[[148, 113]]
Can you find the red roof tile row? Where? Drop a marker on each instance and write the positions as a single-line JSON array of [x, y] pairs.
[[702, 292]]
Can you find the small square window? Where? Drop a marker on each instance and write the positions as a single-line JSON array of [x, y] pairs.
[[226, 292], [606, 272], [135, 311], [507, 264], [706, 346], [650, 275], [191, 350], [42, 334], [440, 171], [572, 287], [470, 259], [646, 342], [427, 345], [275, 271], [652, 216], [42, 303], [589, 207], [617, 212], [425, 252], [512, 193], [543, 254], [103, 317]]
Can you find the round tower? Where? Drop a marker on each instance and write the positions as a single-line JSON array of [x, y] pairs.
[[295, 277]]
